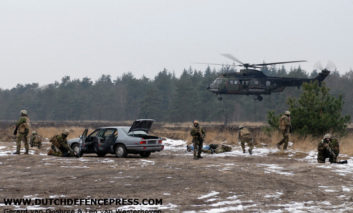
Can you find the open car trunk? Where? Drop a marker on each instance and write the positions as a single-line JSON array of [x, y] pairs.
[[141, 125]]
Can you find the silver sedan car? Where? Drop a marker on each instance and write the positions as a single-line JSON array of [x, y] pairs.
[[119, 140]]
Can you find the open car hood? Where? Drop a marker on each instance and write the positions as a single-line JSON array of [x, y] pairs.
[[141, 125]]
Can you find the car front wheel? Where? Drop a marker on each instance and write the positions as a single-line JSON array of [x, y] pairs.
[[76, 149], [120, 151]]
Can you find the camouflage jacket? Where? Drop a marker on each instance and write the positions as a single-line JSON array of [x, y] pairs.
[[332, 144], [35, 139], [197, 133], [284, 123], [23, 124], [60, 142], [244, 134]]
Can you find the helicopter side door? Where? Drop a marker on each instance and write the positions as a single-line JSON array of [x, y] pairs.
[[244, 85], [233, 85]]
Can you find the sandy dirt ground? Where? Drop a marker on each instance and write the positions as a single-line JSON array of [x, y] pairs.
[[267, 181]]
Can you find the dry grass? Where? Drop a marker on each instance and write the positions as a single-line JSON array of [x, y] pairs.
[[45, 132]]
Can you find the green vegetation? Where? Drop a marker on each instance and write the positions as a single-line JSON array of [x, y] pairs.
[[164, 98], [315, 112]]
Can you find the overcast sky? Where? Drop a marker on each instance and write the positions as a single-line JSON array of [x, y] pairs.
[[42, 41]]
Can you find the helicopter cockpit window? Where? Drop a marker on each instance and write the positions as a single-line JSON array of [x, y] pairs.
[[231, 81], [256, 82], [235, 82], [268, 83]]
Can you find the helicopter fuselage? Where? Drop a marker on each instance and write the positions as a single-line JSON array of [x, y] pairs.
[[254, 82]]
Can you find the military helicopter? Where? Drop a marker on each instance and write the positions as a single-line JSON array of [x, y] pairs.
[[251, 81]]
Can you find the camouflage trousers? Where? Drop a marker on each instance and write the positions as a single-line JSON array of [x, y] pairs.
[[284, 140], [197, 148], [249, 142], [21, 137], [322, 155], [60, 153]]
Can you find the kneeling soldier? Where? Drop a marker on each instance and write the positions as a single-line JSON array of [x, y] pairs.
[[59, 145], [35, 140], [328, 148]]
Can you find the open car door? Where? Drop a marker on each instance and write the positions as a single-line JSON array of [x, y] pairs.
[[83, 140]]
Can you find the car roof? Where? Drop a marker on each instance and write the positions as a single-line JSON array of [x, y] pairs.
[[112, 127]]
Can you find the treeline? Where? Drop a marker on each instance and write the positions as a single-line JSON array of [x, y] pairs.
[[164, 98]]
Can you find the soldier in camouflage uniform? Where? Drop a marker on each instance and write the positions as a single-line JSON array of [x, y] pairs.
[[285, 127], [328, 147], [244, 136], [59, 145], [22, 129], [212, 148], [198, 135], [35, 140], [215, 148]]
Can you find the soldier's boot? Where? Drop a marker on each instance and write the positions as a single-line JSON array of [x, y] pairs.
[[285, 145], [250, 151], [16, 153]]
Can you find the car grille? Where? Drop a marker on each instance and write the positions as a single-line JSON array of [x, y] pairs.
[[152, 142]]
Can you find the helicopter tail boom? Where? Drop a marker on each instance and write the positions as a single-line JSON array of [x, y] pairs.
[[322, 75]]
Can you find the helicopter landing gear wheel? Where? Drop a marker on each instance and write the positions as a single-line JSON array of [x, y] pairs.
[[259, 98], [220, 98]]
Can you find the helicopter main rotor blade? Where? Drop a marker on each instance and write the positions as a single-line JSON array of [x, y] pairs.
[[274, 63], [231, 57]]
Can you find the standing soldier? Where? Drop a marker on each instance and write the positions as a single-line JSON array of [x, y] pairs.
[[59, 145], [198, 134], [244, 136], [22, 130], [328, 148], [35, 140], [285, 127]]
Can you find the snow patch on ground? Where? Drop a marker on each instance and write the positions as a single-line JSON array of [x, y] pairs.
[[174, 145], [211, 194], [274, 168], [147, 162], [275, 195]]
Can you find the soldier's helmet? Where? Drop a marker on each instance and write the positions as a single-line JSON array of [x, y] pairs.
[[66, 132], [241, 126], [327, 136], [287, 112], [196, 122], [34, 132], [23, 112]]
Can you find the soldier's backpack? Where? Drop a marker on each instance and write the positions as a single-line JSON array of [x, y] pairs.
[[282, 123]]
